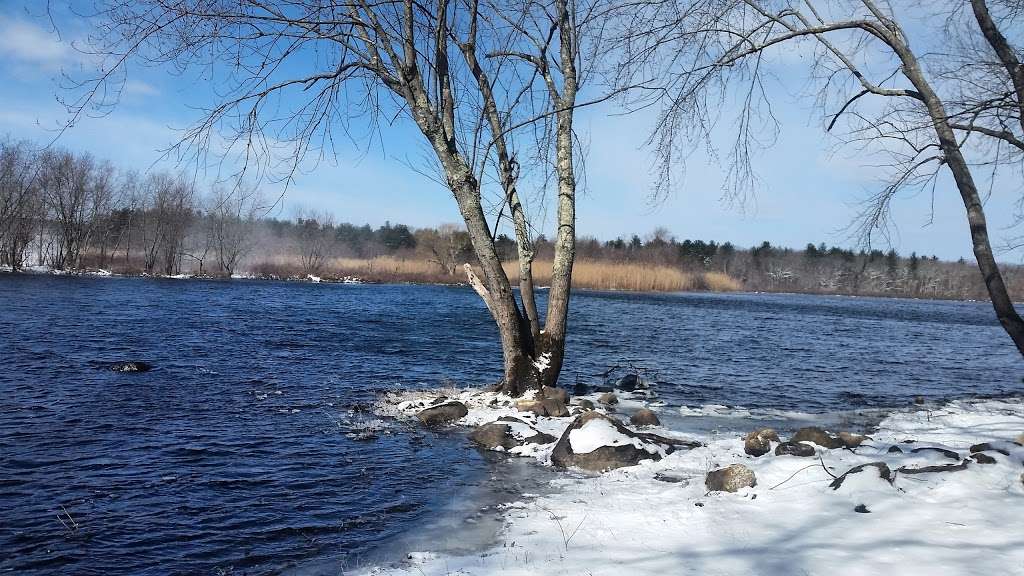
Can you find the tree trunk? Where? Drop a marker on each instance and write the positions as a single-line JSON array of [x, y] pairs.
[[1001, 302]]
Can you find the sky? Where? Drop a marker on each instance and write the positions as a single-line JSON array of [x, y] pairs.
[[809, 192]]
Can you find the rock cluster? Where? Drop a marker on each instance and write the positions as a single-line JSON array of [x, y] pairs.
[[636, 446]]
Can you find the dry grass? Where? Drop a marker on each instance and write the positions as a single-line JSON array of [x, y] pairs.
[[721, 282], [631, 277]]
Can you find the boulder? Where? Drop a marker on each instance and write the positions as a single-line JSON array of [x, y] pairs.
[[982, 458], [552, 393], [608, 399], [530, 406], [644, 417], [730, 479], [894, 449], [597, 443], [817, 436], [585, 404], [880, 467], [131, 366], [861, 509], [851, 440], [629, 383], [918, 400], [554, 408], [508, 433], [759, 442], [443, 414], [1019, 440], [794, 449], [941, 451]]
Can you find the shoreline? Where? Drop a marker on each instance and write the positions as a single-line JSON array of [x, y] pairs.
[[657, 517], [310, 279]]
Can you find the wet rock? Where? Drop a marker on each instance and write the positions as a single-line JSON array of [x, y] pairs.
[[759, 442], [851, 440], [730, 479], [608, 399], [131, 366], [982, 458], [987, 446], [638, 446], [862, 509], [881, 468], [918, 400], [580, 389], [644, 417], [585, 404], [931, 469], [794, 449], [442, 414], [629, 383], [817, 436], [894, 449], [941, 451]]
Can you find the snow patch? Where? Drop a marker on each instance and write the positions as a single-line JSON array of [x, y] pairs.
[[597, 433]]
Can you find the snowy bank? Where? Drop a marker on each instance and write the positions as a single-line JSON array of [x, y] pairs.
[[658, 517]]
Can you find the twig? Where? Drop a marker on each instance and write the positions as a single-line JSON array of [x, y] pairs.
[[791, 476], [825, 468]]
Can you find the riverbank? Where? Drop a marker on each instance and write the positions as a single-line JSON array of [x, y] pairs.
[[943, 503]]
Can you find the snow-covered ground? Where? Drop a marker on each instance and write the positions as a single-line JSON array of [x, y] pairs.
[[658, 518]]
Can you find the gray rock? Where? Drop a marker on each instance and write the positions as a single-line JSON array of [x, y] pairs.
[[585, 404], [861, 509], [644, 417], [851, 440], [894, 449], [880, 467], [629, 383], [496, 434], [817, 436], [982, 458], [918, 400], [670, 478], [730, 479], [610, 457], [759, 442], [608, 399], [552, 393], [555, 408], [1019, 440], [795, 449], [986, 446], [532, 406], [443, 414]]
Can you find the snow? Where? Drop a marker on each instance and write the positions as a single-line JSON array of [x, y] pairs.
[[597, 433], [543, 362], [627, 522], [313, 279]]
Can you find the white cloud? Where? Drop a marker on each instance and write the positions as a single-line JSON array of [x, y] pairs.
[[30, 44]]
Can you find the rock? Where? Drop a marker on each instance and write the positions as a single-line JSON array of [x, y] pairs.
[[580, 389], [817, 436], [759, 442], [551, 393], [608, 399], [131, 366], [585, 404], [851, 440], [929, 469], [636, 446], [982, 458], [730, 479], [881, 467], [644, 417], [944, 452], [794, 449], [918, 400], [1019, 440], [530, 406], [629, 383], [861, 509], [443, 414], [986, 446], [894, 449], [439, 400], [554, 408], [501, 433]]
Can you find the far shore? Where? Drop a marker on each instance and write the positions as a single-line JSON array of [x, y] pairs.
[[386, 277]]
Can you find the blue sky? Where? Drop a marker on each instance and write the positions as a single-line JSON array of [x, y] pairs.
[[809, 192]]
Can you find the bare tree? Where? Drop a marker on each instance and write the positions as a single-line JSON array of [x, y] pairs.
[[231, 217], [860, 51], [470, 75], [315, 238], [446, 246], [20, 204], [77, 190]]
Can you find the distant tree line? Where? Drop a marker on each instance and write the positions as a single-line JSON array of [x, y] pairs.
[[70, 211]]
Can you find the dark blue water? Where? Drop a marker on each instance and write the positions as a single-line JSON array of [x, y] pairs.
[[234, 455]]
